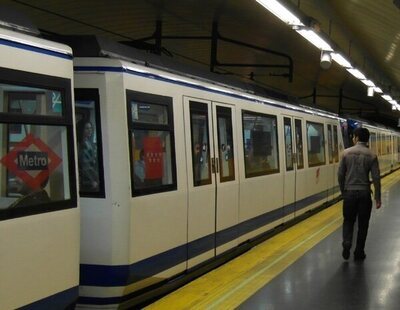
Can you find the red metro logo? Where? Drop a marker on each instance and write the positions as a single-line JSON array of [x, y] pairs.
[[32, 161]]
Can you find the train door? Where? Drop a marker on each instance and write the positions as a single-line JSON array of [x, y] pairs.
[[333, 159], [226, 176], [211, 164], [294, 162]]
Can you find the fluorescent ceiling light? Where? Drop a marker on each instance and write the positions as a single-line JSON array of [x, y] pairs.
[[387, 97], [281, 12], [368, 83], [378, 90], [314, 39], [357, 73], [394, 102], [370, 91], [341, 60]]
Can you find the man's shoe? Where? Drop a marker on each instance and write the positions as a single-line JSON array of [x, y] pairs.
[[359, 256], [346, 253]]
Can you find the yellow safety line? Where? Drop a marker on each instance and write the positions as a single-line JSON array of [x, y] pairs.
[[231, 284]]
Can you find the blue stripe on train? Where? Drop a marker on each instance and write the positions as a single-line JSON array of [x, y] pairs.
[[35, 49], [61, 300], [102, 275]]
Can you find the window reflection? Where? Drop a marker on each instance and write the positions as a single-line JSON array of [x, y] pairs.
[[200, 144], [299, 144], [31, 100], [34, 165], [288, 143], [225, 140], [152, 150], [315, 144], [152, 162], [260, 144], [330, 144], [335, 145]]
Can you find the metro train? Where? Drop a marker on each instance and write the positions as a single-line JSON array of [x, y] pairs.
[[384, 142], [193, 168], [39, 214], [177, 170]]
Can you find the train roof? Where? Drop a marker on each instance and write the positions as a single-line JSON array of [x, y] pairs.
[[369, 123], [96, 46]]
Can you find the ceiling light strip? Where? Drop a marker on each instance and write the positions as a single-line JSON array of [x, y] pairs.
[[289, 18], [281, 12]]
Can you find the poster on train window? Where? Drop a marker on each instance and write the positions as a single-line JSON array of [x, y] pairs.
[[153, 157]]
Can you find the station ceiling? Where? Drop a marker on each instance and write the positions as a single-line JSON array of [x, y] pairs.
[[366, 31]]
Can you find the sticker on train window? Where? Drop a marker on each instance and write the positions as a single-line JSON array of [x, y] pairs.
[[32, 161], [34, 167]]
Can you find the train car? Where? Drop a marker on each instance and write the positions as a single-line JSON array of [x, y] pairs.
[[395, 138], [179, 170], [383, 141], [39, 214]]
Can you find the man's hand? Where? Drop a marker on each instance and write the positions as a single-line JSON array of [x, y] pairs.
[[378, 204]]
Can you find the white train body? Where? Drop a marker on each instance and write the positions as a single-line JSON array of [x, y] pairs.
[[39, 242], [134, 238]]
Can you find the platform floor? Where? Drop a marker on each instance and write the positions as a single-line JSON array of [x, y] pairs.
[[302, 268]]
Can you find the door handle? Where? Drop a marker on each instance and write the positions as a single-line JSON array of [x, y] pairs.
[[214, 165]]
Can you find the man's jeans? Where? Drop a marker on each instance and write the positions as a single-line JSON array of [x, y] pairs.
[[356, 204]]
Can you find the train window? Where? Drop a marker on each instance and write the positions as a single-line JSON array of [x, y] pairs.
[[90, 163], [260, 141], [315, 144], [335, 144], [330, 144], [372, 142], [387, 144], [379, 142], [144, 112], [225, 147], [287, 123], [36, 145], [152, 149], [299, 144], [392, 144], [31, 101], [347, 134], [200, 144], [397, 149]]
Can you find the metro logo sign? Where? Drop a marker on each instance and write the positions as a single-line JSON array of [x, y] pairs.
[[32, 161]]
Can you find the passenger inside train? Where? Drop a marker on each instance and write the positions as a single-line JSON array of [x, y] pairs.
[[87, 157], [30, 196], [139, 170]]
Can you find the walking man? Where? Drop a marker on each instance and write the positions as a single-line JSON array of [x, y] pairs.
[[357, 163]]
